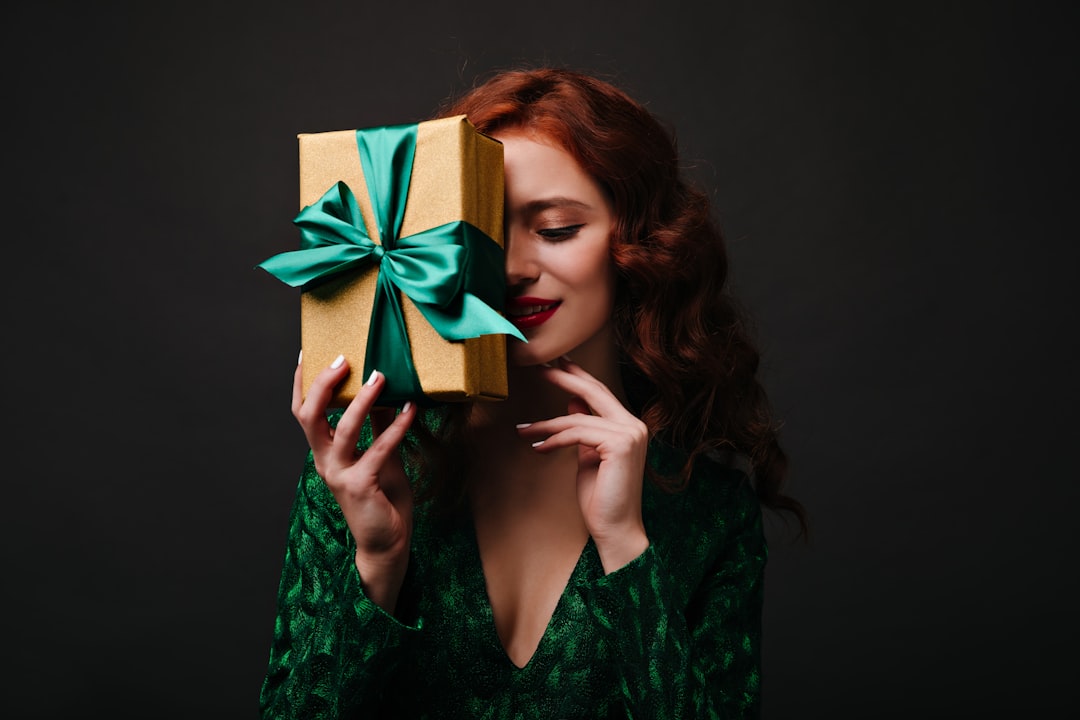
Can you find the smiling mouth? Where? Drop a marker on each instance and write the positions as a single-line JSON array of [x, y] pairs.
[[528, 313], [524, 310]]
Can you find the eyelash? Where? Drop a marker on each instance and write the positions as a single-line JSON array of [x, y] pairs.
[[559, 233]]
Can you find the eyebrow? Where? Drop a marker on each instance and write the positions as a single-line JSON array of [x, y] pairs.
[[541, 204]]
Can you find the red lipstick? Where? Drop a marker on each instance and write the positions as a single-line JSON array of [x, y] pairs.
[[526, 311]]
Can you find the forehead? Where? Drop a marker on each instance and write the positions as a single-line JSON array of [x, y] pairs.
[[538, 170]]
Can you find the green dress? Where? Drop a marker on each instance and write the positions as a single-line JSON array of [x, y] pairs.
[[674, 634]]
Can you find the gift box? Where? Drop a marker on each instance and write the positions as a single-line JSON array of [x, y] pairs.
[[400, 265]]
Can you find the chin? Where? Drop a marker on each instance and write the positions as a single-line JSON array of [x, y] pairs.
[[519, 354], [522, 358]]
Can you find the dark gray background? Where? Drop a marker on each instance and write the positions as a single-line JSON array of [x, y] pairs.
[[897, 183]]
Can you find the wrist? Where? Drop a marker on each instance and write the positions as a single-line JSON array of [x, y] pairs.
[[381, 577], [618, 549]]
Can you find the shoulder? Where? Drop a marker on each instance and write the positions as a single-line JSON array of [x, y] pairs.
[[720, 489], [716, 511]]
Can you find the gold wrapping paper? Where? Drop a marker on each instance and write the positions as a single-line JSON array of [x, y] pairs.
[[457, 175]]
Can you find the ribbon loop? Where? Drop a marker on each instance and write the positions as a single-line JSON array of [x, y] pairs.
[[428, 275]]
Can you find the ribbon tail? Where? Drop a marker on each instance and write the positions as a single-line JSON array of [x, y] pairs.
[[388, 349], [470, 317]]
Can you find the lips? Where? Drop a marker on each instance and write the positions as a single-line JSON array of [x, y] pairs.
[[529, 312]]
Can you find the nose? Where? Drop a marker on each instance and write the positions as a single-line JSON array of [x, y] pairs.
[[521, 265]]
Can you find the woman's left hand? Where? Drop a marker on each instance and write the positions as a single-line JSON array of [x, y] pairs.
[[612, 444]]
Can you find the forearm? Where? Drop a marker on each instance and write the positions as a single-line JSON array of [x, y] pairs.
[[647, 639], [333, 646], [679, 662]]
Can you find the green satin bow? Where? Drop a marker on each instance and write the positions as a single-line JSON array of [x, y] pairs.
[[453, 273]]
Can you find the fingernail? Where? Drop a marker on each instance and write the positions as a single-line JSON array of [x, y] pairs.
[[519, 426], [547, 364], [566, 358], [538, 443], [406, 406], [337, 362], [300, 357], [371, 378]]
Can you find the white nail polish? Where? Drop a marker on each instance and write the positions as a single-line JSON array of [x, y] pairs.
[[538, 443], [337, 362], [300, 357], [521, 426], [371, 378], [406, 406]]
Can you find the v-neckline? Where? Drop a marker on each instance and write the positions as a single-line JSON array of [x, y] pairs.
[[484, 600]]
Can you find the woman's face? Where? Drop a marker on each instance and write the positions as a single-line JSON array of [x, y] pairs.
[[559, 275]]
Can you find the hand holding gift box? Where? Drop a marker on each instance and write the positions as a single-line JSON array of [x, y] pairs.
[[404, 277]]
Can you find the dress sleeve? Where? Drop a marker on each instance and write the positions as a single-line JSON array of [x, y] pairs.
[[333, 648], [702, 661]]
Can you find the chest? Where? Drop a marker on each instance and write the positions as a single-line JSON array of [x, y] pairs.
[[526, 570], [472, 665], [528, 535]]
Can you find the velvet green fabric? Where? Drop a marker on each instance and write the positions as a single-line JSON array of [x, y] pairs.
[[674, 634]]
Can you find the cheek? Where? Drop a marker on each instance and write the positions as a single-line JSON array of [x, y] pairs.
[[590, 265], [599, 270], [594, 278]]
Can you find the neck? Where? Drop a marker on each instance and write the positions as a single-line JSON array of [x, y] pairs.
[[506, 472], [531, 398]]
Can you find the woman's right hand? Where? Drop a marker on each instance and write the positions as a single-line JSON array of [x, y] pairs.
[[370, 486]]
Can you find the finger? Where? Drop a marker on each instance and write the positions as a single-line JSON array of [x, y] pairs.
[[381, 417], [311, 412], [577, 382], [615, 449], [352, 420], [622, 435], [601, 437], [580, 414], [394, 433], [545, 428], [298, 389], [384, 450]]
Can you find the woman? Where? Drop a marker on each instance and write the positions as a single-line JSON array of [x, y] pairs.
[[590, 547]]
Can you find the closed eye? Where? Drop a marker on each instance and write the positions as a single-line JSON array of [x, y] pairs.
[[560, 233]]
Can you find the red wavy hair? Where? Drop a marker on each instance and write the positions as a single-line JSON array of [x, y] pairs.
[[689, 364]]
